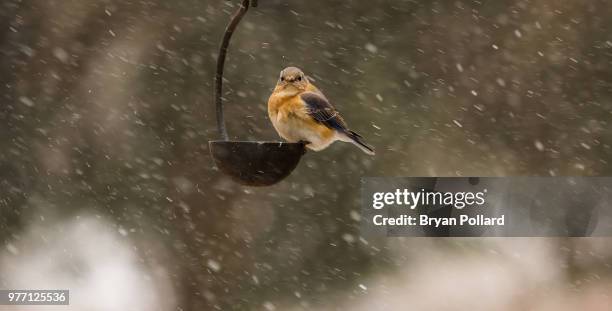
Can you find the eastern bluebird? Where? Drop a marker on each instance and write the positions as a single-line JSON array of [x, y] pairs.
[[301, 113]]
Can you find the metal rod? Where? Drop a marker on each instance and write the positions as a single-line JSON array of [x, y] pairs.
[[229, 31]]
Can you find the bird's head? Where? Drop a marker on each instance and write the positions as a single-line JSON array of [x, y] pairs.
[[292, 80]]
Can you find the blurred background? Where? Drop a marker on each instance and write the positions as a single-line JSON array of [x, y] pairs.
[[107, 187]]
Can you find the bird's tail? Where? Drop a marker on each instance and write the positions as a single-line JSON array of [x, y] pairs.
[[357, 140]]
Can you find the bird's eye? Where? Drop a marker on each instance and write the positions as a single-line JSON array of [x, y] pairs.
[[299, 78], [282, 78]]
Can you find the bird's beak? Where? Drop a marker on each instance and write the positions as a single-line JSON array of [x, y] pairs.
[[289, 84]]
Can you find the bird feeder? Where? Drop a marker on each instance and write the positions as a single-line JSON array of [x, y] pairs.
[[252, 163]]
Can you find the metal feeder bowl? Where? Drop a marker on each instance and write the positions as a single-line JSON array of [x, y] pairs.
[[251, 163]]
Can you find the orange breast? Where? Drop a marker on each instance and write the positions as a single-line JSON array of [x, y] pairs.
[[283, 105], [290, 113]]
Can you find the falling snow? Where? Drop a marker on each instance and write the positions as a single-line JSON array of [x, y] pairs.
[[12, 249], [371, 48], [213, 265], [539, 145], [518, 33], [106, 167], [26, 101], [61, 54]]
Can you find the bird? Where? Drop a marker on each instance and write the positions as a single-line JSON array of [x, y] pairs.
[[300, 113]]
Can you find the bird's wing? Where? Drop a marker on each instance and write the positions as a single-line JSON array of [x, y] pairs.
[[322, 111]]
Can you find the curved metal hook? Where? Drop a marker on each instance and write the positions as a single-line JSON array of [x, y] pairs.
[[229, 31]]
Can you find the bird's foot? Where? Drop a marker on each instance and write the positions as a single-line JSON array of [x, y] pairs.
[[304, 142]]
